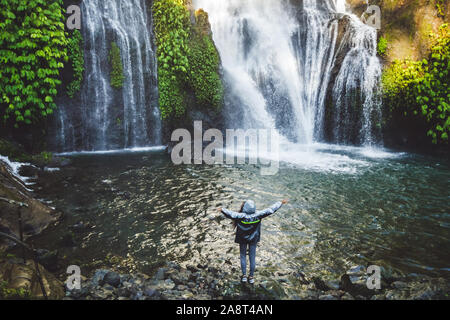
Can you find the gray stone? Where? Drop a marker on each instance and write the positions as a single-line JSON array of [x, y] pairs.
[[333, 284], [424, 295], [160, 274], [347, 296], [108, 287], [328, 297], [139, 296], [100, 294], [152, 293], [357, 271], [181, 287], [124, 292], [399, 285], [98, 276], [112, 278]]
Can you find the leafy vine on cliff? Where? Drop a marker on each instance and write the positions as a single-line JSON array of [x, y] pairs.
[[204, 63], [33, 49], [187, 59], [420, 88], [76, 56], [172, 26]]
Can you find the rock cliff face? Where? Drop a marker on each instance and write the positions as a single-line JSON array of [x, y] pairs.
[[195, 111], [406, 25], [15, 196]]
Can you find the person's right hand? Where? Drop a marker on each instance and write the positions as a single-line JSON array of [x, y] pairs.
[[284, 201]]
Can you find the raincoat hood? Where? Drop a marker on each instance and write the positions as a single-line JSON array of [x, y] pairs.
[[249, 207]]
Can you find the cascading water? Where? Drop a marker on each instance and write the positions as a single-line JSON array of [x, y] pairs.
[[356, 85], [278, 57], [110, 118]]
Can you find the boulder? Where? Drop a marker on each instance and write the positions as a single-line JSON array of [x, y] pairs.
[[112, 278], [328, 297], [36, 216]]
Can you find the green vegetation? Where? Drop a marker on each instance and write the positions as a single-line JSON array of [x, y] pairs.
[[172, 27], [13, 152], [33, 48], [204, 63], [187, 60], [440, 6], [115, 59], [382, 46], [16, 152], [7, 293], [43, 158], [419, 89], [76, 56]]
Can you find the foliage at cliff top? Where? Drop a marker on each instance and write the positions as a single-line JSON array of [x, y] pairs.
[[32, 51], [115, 59], [76, 57], [420, 88], [187, 60]]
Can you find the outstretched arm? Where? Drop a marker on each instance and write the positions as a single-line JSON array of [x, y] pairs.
[[231, 214], [267, 212]]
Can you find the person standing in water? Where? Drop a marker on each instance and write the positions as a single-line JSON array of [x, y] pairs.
[[248, 232]]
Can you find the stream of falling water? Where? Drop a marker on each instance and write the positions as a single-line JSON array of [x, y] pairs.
[[278, 60], [109, 118]]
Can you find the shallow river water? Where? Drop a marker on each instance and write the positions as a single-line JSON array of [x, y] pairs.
[[347, 206]]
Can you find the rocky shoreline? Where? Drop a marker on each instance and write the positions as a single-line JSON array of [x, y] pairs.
[[175, 282], [17, 200]]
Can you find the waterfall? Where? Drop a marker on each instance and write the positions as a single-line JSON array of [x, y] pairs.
[[279, 57], [356, 85], [108, 118]]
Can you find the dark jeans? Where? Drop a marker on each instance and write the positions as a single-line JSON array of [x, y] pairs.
[[251, 257]]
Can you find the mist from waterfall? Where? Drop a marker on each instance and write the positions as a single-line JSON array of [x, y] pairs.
[[110, 118], [278, 57]]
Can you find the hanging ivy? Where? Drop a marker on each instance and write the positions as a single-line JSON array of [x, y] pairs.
[[76, 57], [32, 51], [204, 62], [187, 60], [419, 89], [172, 27]]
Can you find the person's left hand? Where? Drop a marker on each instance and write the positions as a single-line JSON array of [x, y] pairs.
[[219, 209]]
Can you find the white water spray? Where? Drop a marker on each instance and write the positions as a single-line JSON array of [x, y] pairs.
[[278, 58]]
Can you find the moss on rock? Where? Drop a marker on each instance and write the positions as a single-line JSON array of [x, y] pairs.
[[115, 59], [188, 61]]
